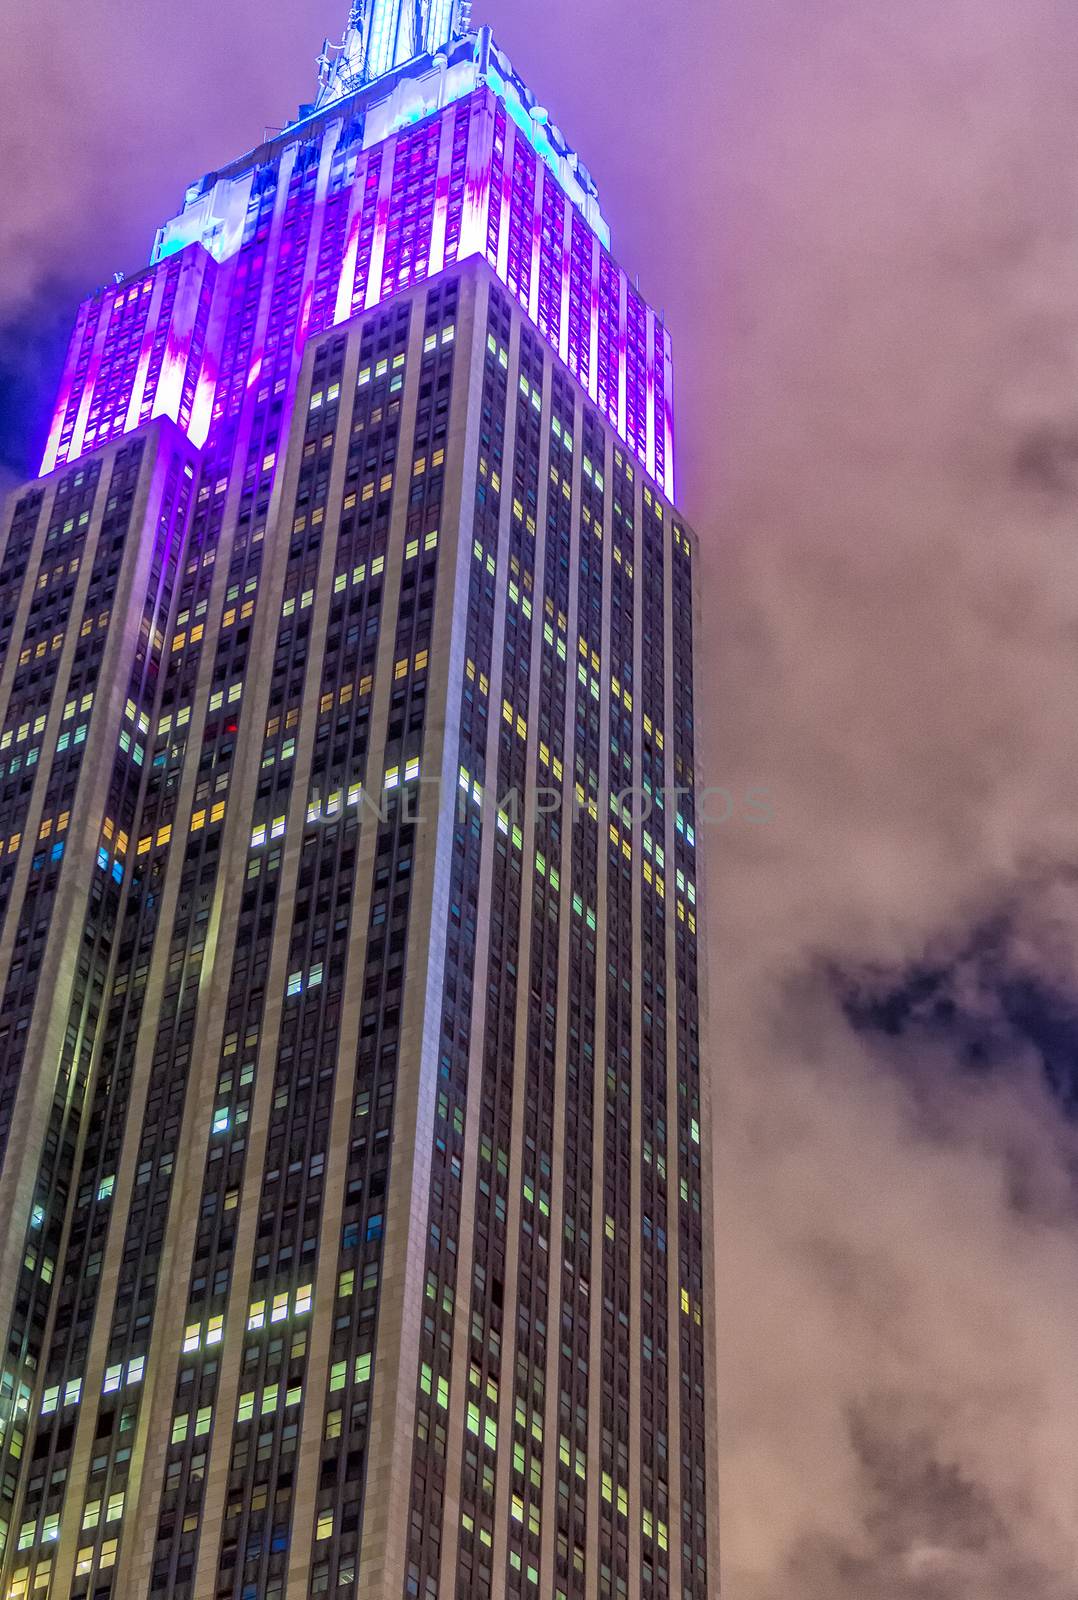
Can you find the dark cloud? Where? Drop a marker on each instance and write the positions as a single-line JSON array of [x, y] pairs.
[[928, 1532], [32, 348], [988, 998], [1048, 459]]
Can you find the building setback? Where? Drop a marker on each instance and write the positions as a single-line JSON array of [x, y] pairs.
[[354, 1137]]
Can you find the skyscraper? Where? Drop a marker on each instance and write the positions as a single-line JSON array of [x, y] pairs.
[[353, 1126]]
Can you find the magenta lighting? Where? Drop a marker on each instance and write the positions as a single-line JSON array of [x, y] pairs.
[[445, 158]]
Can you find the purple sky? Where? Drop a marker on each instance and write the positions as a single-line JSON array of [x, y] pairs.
[[862, 220]]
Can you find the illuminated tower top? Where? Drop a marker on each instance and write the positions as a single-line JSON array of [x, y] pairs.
[[384, 34], [423, 148]]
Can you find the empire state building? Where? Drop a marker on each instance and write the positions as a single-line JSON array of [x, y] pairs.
[[354, 1126]]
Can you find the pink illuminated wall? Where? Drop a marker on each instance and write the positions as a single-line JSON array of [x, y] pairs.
[[467, 181], [357, 226], [138, 350]]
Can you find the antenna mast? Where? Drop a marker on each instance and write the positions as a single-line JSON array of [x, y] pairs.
[[382, 35]]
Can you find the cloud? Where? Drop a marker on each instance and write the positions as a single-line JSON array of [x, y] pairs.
[[900, 1379], [889, 530], [113, 110]]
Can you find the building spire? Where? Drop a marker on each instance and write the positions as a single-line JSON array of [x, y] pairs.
[[384, 34]]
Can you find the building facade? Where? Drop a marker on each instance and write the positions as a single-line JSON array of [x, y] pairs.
[[354, 1135]]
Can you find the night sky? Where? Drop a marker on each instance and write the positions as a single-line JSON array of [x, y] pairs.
[[862, 220]]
